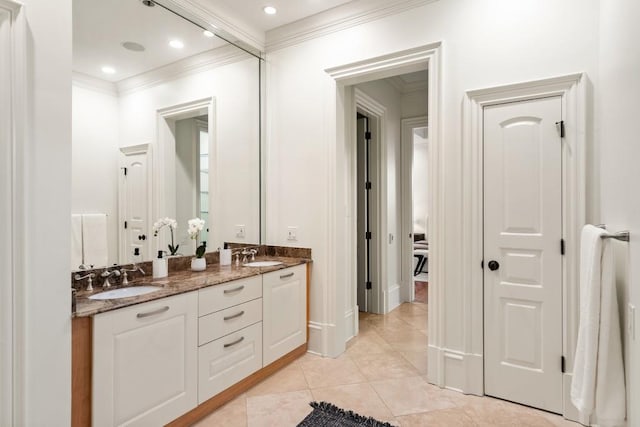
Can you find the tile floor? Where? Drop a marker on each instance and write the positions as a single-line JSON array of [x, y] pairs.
[[382, 374]]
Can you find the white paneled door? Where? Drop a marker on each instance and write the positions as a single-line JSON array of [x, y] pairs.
[[522, 252], [134, 206]]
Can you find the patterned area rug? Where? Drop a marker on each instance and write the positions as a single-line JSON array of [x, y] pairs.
[[421, 292], [327, 415]]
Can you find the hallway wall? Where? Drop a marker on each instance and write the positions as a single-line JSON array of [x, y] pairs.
[[484, 44]]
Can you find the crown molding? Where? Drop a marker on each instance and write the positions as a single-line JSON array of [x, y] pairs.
[[407, 88], [86, 81], [191, 65], [336, 19], [226, 26]]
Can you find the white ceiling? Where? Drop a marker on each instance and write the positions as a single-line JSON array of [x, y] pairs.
[[100, 27], [251, 11]]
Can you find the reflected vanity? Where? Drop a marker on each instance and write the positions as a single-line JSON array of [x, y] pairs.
[[166, 123]]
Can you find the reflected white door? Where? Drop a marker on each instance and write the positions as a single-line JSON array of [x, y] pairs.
[[134, 209], [522, 255]]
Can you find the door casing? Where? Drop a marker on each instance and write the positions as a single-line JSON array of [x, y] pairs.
[[339, 322], [573, 90]]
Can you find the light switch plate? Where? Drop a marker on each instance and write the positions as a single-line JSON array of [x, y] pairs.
[[292, 234], [240, 231]]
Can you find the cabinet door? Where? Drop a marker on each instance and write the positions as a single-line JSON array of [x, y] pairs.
[[227, 360], [145, 362], [284, 311]]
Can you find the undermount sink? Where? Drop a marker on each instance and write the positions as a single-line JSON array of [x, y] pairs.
[[262, 264], [132, 291]]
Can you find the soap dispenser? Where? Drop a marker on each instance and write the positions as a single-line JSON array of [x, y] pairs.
[[160, 267]]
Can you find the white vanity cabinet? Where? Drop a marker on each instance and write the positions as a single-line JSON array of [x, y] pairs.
[[170, 360], [145, 363], [284, 305], [230, 335]]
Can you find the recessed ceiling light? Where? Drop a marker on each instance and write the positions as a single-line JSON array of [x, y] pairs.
[[176, 44], [270, 10], [208, 33], [108, 70]]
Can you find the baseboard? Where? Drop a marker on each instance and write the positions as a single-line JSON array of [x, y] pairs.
[[324, 341], [392, 297], [464, 372], [350, 323], [316, 338], [455, 370]]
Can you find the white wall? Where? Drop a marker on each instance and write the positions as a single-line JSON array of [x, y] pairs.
[[414, 104], [385, 94], [616, 156], [94, 161], [484, 44], [46, 309], [235, 89]]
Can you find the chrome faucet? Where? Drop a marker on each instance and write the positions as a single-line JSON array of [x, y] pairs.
[[106, 274], [251, 252], [123, 271], [78, 277]]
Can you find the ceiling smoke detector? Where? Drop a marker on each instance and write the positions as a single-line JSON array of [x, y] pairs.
[[149, 3]]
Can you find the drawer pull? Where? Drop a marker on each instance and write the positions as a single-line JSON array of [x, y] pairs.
[[152, 313], [285, 276], [234, 316], [239, 288], [238, 341]]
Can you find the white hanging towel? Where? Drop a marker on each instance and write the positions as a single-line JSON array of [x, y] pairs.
[[76, 241], [598, 388], [94, 231]]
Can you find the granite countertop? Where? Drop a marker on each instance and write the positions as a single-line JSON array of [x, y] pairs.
[[178, 282]]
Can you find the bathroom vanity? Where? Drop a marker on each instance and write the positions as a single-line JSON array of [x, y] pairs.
[[172, 356]]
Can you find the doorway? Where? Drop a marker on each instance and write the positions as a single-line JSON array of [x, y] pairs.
[[365, 214], [415, 208], [342, 196], [523, 281]]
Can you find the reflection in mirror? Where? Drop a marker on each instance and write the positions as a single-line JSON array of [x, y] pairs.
[[165, 125]]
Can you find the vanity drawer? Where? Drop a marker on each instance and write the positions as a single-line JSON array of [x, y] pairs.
[[224, 322], [225, 361], [219, 297]]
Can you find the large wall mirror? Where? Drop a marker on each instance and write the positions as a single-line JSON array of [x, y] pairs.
[[166, 124]]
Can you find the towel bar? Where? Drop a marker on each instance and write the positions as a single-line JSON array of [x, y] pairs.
[[621, 235]]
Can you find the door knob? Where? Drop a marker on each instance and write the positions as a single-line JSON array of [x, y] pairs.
[[494, 265]]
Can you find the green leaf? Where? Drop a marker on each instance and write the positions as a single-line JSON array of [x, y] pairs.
[[200, 250]]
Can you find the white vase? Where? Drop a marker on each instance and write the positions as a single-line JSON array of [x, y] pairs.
[[198, 264]]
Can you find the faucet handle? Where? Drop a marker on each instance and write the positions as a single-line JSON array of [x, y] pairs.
[[77, 277]]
